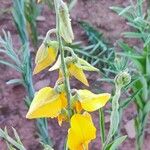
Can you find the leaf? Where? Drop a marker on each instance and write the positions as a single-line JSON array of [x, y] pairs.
[[125, 10], [46, 147], [5, 136], [14, 81], [127, 14], [10, 65], [134, 35], [124, 104], [114, 145]]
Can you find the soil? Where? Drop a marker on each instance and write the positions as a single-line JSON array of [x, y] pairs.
[[12, 107]]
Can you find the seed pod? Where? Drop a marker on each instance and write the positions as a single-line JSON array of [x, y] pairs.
[[65, 23]]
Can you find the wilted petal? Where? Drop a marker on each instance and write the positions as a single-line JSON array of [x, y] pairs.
[[91, 102], [82, 131]]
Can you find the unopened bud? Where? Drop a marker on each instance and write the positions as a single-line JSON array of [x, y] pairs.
[[122, 79], [65, 23]]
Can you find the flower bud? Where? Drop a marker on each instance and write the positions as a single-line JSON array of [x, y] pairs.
[[65, 23], [122, 79]]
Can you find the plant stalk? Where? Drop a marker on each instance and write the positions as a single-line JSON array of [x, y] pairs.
[[102, 126], [61, 50], [114, 118]]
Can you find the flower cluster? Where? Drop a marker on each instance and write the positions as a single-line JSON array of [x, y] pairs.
[[53, 102]]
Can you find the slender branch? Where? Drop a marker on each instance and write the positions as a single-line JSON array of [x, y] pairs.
[[102, 126]]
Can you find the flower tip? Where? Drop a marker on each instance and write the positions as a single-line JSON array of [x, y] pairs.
[[87, 84], [108, 95], [28, 116], [35, 71]]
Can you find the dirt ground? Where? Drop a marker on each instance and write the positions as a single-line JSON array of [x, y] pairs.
[[12, 107]]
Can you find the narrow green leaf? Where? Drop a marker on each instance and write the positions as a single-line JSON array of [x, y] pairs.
[[102, 125], [11, 65], [134, 35], [14, 81], [117, 142], [124, 104]]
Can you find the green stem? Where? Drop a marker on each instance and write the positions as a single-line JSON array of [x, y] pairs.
[[102, 126], [48, 34], [64, 67], [114, 118]]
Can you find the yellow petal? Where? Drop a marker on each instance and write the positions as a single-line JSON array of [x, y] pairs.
[[44, 58], [60, 119], [77, 73], [56, 65], [41, 53], [91, 102], [78, 107], [82, 131], [46, 103], [63, 98]]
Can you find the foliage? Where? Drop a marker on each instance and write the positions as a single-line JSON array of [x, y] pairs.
[[138, 20], [98, 53], [11, 143]]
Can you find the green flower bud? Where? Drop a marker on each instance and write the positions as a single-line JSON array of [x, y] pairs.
[[122, 79], [65, 23]]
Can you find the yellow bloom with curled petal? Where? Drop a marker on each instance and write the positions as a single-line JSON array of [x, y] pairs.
[[75, 68], [47, 103], [46, 55], [78, 73], [90, 101], [82, 131]]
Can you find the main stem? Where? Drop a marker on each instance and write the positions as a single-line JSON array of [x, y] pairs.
[[114, 117], [61, 50]]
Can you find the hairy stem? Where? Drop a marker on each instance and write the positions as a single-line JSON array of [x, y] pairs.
[[64, 67], [114, 118]]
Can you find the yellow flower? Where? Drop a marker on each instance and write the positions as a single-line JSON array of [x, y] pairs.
[[75, 68], [77, 72], [45, 56], [90, 101], [47, 103], [82, 131]]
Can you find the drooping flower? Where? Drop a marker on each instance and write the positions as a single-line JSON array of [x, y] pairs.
[[47, 103], [81, 133], [90, 101], [75, 68], [46, 55]]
